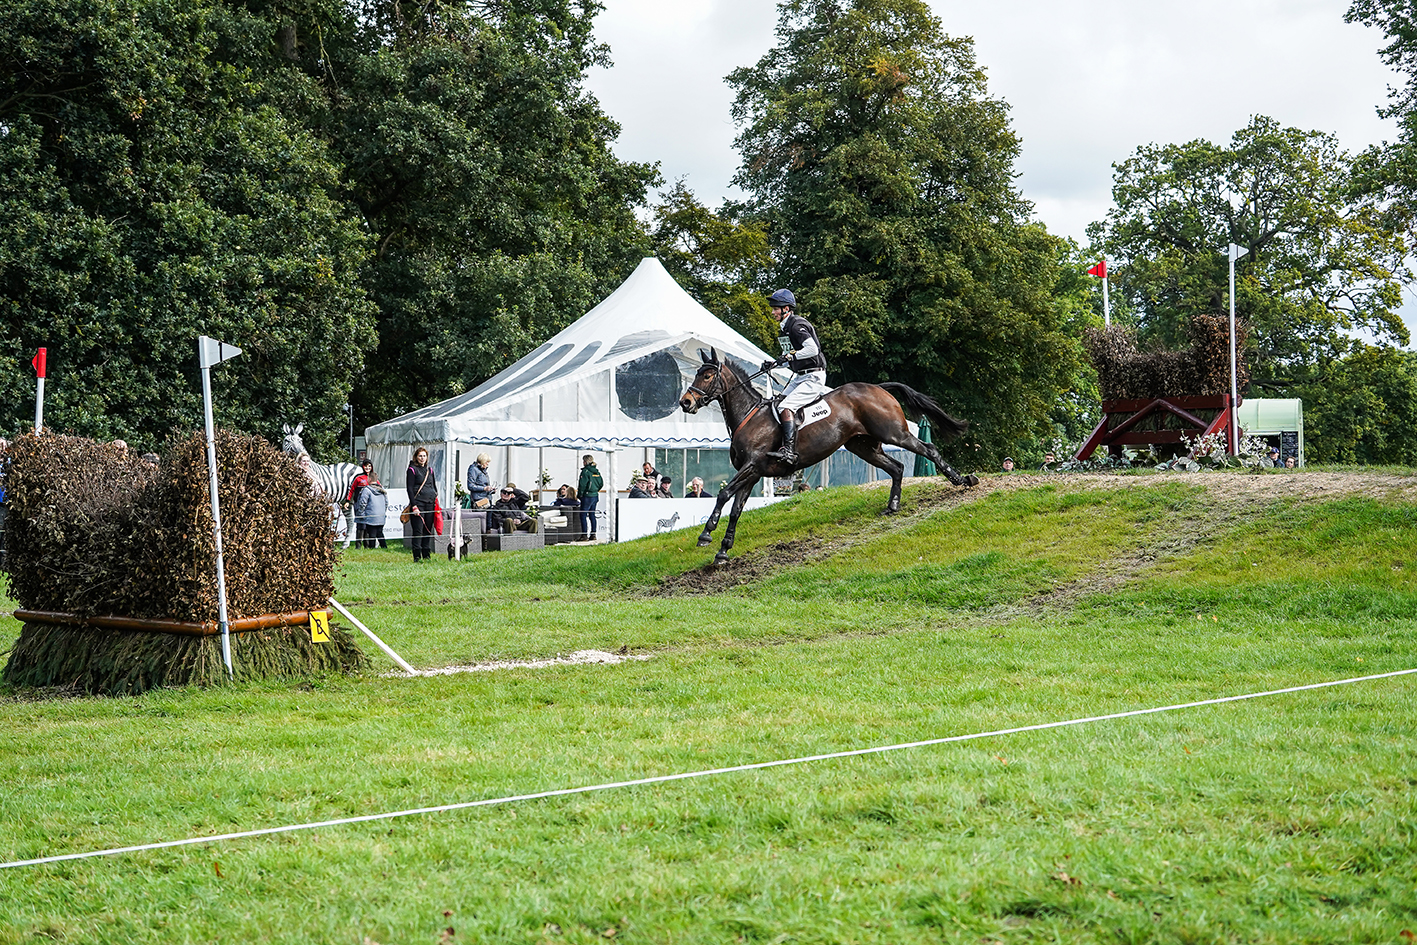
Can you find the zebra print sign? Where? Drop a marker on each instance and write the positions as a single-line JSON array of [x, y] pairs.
[[334, 478]]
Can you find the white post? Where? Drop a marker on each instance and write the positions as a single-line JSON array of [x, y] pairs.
[[610, 488], [209, 352], [1106, 305], [1235, 253]]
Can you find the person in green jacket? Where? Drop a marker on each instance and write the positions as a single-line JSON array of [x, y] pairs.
[[589, 490]]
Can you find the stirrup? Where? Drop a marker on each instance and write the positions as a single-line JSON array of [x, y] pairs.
[[785, 456]]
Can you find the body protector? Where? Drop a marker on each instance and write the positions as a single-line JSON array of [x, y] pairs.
[[800, 345]]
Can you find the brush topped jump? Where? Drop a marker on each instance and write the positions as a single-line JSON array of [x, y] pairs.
[[861, 417]]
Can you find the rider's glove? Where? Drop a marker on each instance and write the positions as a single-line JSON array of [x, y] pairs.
[[769, 365]]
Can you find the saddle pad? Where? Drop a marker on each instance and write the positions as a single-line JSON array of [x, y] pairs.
[[817, 410]]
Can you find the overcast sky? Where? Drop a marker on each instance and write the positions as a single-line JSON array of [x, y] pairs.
[[1087, 82]]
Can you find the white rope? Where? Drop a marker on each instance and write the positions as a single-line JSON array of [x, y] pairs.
[[683, 776]]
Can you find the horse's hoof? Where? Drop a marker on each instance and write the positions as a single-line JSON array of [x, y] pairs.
[[720, 558], [971, 480], [705, 538]]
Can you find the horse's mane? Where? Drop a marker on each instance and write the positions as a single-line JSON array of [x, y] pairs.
[[740, 377]]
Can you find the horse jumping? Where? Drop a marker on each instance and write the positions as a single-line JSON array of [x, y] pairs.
[[862, 417]]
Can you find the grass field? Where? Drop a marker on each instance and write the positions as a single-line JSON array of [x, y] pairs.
[[1284, 819]]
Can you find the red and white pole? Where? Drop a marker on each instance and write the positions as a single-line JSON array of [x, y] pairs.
[[41, 364]]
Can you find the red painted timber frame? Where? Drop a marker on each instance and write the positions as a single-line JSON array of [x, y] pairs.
[[1125, 434]]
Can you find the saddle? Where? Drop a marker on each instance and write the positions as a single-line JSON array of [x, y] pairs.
[[801, 411]]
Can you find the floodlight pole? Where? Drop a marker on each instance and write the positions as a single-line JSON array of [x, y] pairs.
[[1236, 252], [210, 352]]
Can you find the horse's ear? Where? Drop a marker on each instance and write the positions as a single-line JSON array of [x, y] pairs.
[[703, 356], [713, 355]]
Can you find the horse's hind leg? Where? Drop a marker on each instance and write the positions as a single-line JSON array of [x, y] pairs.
[[870, 450], [920, 448]]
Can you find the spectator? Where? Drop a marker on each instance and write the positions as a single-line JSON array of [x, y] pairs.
[[151, 459], [666, 488], [650, 472], [509, 511], [479, 486], [1048, 459], [641, 488], [696, 489], [1008, 465], [1290, 462], [371, 507], [316, 489], [121, 444], [568, 503], [1274, 457], [589, 489], [422, 504]]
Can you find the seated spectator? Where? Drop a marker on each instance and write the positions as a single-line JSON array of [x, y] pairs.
[[666, 488], [641, 489], [1274, 457], [696, 489], [508, 513], [566, 497], [1290, 462], [1048, 459]]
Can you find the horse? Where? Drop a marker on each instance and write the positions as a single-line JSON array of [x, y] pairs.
[[334, 479], [862, 417]]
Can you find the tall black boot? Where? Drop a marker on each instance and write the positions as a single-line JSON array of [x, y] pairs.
[[788, 453]]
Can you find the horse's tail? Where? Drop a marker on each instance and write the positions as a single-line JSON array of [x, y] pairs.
[[945, 425]]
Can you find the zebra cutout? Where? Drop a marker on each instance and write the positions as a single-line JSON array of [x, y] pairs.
[[333, 479], [666, 524]]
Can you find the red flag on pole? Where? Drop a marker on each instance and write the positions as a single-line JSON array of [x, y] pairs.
[[1099, 270], [39, 362]]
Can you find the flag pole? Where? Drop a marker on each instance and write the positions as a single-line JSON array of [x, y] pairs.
[[1106, 304], [40, 363], [211, 352]]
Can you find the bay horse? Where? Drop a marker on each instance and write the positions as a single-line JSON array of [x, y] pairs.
[[863, 417]]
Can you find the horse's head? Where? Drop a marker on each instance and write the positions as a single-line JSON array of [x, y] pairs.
[[708, 383], [292, 444]]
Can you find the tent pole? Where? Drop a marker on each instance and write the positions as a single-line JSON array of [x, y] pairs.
[[610, 490]]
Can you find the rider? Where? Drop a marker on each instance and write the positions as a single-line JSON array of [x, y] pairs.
[[802, 352]]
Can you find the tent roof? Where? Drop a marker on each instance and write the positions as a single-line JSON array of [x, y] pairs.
[[649, 312]]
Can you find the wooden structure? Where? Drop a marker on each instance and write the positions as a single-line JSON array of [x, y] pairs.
[[1159, 421]]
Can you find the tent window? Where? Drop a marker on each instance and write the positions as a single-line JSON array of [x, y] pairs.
[[649, 387]]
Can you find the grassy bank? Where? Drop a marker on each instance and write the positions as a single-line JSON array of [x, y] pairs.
[[1283, 819]]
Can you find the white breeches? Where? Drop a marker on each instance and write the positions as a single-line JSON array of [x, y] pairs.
[[803, 389]]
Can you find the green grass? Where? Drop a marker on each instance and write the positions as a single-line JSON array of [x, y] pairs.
[[1285, 819]]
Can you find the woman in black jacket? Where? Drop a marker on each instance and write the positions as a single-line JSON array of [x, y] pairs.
[[422, 500]]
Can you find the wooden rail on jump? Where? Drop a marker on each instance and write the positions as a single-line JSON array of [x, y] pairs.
[[1158, 421]]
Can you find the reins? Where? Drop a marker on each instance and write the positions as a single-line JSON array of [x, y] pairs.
[[705, 398]]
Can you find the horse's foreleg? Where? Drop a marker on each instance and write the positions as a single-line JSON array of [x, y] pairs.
[[747, 473], [739, 500]]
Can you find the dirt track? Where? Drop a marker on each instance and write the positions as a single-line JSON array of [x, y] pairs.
[[1234, 496]]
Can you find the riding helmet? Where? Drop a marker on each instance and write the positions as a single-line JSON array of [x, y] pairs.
[[783, 297]]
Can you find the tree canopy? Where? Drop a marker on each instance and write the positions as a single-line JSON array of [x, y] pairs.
[[1321, 263], [308, 181], [156, 188], [883, 173]]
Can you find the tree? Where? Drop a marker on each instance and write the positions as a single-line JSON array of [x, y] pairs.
[[483, 171], [156, 189], [883, 173], [721, 262], [1363, 408], [1322, 263]]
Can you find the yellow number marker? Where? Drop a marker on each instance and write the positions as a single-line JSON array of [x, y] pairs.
[[319, 626]]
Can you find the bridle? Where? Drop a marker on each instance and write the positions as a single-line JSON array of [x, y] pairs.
[[706, 397]]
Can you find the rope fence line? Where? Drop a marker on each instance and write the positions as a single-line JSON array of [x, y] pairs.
[[687, 775]]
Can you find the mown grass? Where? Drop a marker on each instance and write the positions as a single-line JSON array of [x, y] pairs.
[[1284, 819]]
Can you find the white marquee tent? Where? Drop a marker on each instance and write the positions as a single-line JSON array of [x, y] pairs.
[[609, 383]]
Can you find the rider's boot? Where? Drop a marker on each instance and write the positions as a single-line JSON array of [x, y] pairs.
[[788, 453]]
